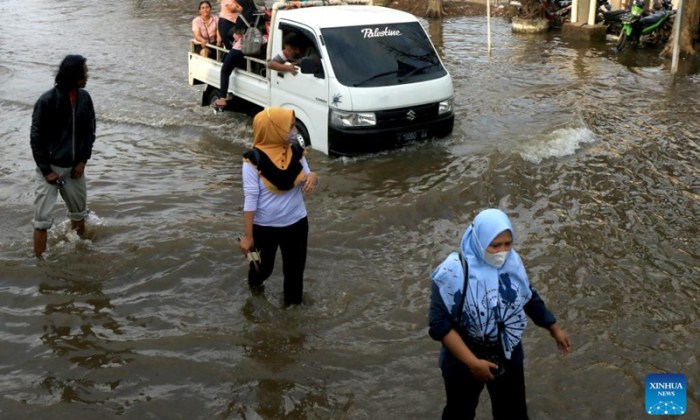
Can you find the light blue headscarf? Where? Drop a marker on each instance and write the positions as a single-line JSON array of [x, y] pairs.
[[493, 295]]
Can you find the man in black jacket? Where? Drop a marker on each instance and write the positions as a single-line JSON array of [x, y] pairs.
[[62, 135]]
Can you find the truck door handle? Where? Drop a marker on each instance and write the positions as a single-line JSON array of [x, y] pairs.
[[280, 74]]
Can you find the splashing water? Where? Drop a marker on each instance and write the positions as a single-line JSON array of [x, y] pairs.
[[561, 142]]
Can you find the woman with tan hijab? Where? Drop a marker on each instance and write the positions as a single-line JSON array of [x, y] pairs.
[[275, 177]]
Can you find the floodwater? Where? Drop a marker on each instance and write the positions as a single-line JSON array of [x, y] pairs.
[[594, 156]]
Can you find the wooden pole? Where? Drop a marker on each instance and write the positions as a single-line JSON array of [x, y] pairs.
[[677, 37]]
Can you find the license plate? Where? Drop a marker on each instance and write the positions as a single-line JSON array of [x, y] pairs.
[[411, 136]]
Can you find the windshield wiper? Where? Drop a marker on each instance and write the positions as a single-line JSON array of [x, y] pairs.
[[386, 73], [414, 71]]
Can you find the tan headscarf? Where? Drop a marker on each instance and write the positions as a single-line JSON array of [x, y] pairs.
[[271, 127]]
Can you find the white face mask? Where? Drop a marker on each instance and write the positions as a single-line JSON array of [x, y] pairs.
[[496, 260]]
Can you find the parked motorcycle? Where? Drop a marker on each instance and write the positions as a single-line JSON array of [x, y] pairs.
[[613, 21], [556, 11], [638, 29]]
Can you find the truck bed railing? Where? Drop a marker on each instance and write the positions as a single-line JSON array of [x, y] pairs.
[[257, 65], [253, 64], [295, 4]]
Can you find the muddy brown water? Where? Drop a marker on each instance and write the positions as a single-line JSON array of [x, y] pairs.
[[595, 157]]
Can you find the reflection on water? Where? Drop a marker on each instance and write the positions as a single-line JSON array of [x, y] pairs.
[[263, 386], [593, 154], [79, 328]]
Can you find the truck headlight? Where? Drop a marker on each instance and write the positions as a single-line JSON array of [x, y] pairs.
[[352, 119], [445, 106]]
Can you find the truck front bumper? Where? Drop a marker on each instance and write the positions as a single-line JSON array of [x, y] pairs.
[[352, 141]]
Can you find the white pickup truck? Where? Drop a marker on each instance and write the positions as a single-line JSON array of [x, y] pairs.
[[373, 80]]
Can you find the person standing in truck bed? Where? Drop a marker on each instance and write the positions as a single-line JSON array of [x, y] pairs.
[[234, 58], [227, 21]]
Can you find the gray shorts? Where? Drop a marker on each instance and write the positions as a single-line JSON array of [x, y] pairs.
[[74, 194]]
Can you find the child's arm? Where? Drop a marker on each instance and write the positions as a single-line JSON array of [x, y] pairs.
[[288, 68]]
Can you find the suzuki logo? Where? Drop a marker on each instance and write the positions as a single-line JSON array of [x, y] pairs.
[[411, 115]]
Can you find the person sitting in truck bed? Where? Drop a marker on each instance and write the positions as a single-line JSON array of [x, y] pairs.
[[286, 60], [204, 29]]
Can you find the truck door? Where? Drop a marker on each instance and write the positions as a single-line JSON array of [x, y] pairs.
[[307, 94]]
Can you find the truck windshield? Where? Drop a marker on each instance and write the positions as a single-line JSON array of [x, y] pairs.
[[382, 55]]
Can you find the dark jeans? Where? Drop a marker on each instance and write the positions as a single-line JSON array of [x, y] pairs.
[[233, 59], [226, 28], [507, 393], [292, 241]]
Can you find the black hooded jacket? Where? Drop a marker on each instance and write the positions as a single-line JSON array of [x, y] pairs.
[[61, 134]]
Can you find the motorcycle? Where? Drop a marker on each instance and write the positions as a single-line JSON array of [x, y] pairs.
[[641, 29], [556, 11], [612, 19]]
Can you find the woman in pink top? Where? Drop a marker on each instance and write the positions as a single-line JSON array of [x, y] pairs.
[[227, 21], [234, 58], [204, 29]]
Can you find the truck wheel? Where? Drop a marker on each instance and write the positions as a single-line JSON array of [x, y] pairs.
[[213, 96], [303, 135]]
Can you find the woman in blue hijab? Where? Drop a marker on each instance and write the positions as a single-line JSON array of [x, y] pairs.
[[480, 317]]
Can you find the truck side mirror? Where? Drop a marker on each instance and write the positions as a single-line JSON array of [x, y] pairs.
[[309, 65]]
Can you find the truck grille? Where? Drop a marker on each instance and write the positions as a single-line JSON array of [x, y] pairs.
[[409, 115]]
